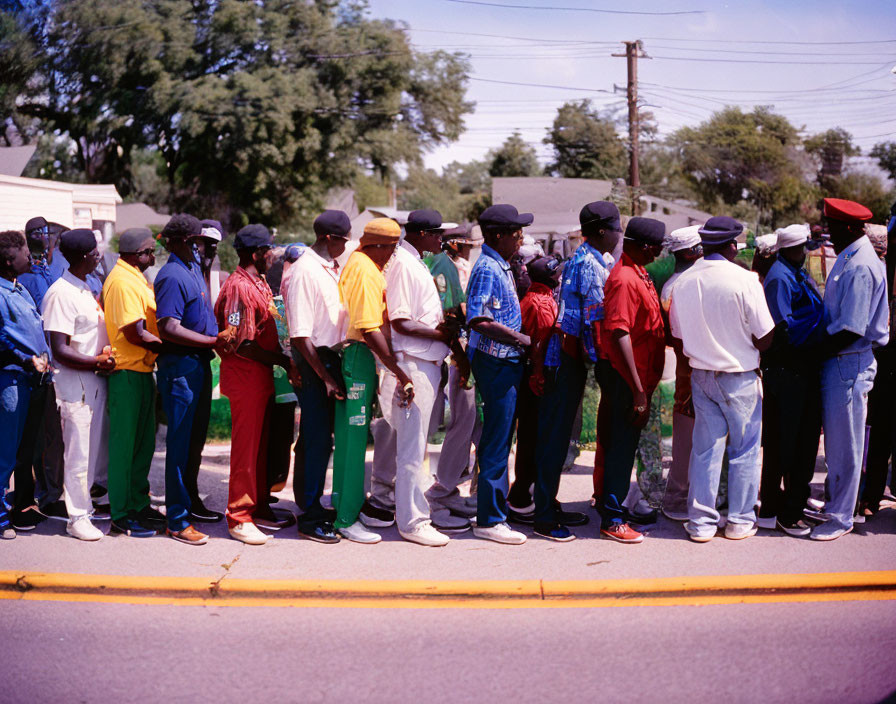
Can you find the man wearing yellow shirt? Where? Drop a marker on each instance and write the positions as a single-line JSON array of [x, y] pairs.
[[362, 289], [130, 308]]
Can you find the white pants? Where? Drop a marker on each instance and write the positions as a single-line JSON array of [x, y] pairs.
[[410, 476], [85, 434]]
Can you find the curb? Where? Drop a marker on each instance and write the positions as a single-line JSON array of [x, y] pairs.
[[664, 591]]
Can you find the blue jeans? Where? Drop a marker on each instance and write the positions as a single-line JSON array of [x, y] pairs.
[[15, 397], [180, 379], [564, 387], [498, 381], [728, 409], [845, 383]]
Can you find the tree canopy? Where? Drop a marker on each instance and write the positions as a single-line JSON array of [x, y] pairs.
[[585, 144], [255, 109], [513, 158]]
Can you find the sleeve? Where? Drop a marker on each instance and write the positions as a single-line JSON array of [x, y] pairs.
[[592, 295], [231, 310], [171, 297], [364, 302], [620, 304], [299, 304], [399, 292], [759, 319], [674, 326], [122, 305], [480, 292], [8, 342], [778, 298], [58, 313], [853, 312]]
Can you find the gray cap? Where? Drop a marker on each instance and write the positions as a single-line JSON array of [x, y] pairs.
[[132, 238]]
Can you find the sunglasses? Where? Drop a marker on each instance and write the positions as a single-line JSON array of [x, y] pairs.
[[144, 252]]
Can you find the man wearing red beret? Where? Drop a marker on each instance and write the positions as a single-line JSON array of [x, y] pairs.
[[857, 315]]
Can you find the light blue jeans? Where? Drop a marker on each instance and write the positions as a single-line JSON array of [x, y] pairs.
[[728, 411], [845, 383]]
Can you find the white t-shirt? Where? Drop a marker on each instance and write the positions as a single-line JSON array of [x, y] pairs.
[[312, 302], [70, 308], [411, 294], [717, 309]]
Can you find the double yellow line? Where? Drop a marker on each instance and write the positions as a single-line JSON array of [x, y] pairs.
[[472, 594]]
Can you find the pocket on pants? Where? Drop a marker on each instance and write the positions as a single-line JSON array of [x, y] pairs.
[[848, 366]]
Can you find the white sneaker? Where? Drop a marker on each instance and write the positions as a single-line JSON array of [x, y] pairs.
[[739, 531], [425, 534], [767, 523], [82, 529], [357, 533], [814, 504], [500, 533], [248, 533]]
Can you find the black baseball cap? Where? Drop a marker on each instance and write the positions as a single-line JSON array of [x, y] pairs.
[[601, 213], [504, 215], [332, 222], [645, 230], [253, 237]]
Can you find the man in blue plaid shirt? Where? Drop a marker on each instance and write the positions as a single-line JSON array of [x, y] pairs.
[[495, 349]]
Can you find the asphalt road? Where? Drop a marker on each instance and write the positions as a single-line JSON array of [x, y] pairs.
[[839, 653]]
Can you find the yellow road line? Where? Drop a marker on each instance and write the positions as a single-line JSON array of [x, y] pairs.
[[471, 594]]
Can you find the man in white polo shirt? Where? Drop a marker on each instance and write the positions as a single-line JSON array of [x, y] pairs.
[[420, 340], [317, 325], [720, 314]]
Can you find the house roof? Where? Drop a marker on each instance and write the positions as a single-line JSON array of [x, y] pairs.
[[555, 202], [13, 160], [137, 215]]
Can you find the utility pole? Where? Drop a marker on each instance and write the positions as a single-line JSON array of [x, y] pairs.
[[633, 51]]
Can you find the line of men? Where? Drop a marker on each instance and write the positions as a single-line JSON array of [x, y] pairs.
[[380, 331]]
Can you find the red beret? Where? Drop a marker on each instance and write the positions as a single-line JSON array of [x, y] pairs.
[[845, 210]]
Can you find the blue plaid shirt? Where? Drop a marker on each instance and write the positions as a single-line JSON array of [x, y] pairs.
[[581, 300], [491, 293]]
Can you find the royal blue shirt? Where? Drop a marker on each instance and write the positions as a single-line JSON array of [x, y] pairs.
[[21, 330], [182, 294], [581, 300], [793, 299], [44, 274], [491, 293]]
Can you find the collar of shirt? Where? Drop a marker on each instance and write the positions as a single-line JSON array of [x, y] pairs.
[[489, 252], [854, 247], [172, 257], [75, 281], [131, 270], [10, 285], [594, 252], [537, 289], [715, 257], [331, 266]]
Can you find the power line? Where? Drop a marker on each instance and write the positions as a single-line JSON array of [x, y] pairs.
[[539, 85], [578, 9], [767, 41], [760, 61], [765, 52]]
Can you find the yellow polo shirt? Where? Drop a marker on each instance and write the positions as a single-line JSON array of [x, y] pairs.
[[128, 297], [362, 290]]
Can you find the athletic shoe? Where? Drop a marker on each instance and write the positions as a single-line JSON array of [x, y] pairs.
[[55, 510], [767, 522], [248, 533], [796, 529], [375, 517], [357, 533], [27, 519], [132, 527], [818, 516], [526, 519], [814, 504], [828, 531], [701, 538], [500, 533], [679, 516], [739, 531], [425, 534], [200, 513], [7, 534], [522, 509], [554, 531], [101, 512], [82, 529], [622, 532], [446, 522], [321, 532], [642, 518], [275, 521], [150, 516], [859, 516], [569, 518], [188, 535]]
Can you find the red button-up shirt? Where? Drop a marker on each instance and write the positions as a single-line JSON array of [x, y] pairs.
[[631, 304]]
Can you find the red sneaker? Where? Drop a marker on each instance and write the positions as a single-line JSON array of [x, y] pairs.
[[622, 532]]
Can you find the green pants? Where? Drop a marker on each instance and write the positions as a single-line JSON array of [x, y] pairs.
[[350, 433], [132, 440]]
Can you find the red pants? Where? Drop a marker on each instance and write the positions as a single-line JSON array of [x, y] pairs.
[[249, 386]]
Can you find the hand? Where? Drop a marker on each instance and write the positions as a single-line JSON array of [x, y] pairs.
[[294, 375], [463, 371], [536, 383], [333, 389], [448, 330], [523, 340], [105, 362], [640, 409], [225, 341], [405, 390], [41, 364]]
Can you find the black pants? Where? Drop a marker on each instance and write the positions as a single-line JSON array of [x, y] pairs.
[[524, 467], [30, 455], [198, 436], [281, 433], [882, 420], [791, 429]]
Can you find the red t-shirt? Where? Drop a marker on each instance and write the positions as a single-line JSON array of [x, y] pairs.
[[539, 311], [631, 304]]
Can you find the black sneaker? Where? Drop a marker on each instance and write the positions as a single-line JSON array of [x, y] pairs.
[[375, 517], [319, 532], [26, 519], [795, 528], [642, 519], [131, 527], [554, 531], [55, 510], [570, 518], [200, 514], [525, 519], [152, 518], [101, 512]]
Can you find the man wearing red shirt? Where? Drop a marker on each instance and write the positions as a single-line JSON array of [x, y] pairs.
[[245, 306], [634, 345]]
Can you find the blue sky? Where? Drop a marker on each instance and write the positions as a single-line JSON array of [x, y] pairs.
[[810, 74]]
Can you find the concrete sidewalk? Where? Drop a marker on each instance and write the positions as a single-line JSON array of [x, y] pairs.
[[666, 552]]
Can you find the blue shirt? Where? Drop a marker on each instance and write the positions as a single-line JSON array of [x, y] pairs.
[[44, 274], [793, 299], [581, 300], [181, 293], [855, 297], [491, 293], [21, 329]]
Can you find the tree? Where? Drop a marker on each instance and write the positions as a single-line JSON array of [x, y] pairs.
[[736, 156], [831, 148], [864, 188], [256, 108], [585, 143], [513, 158], [885, 153]]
